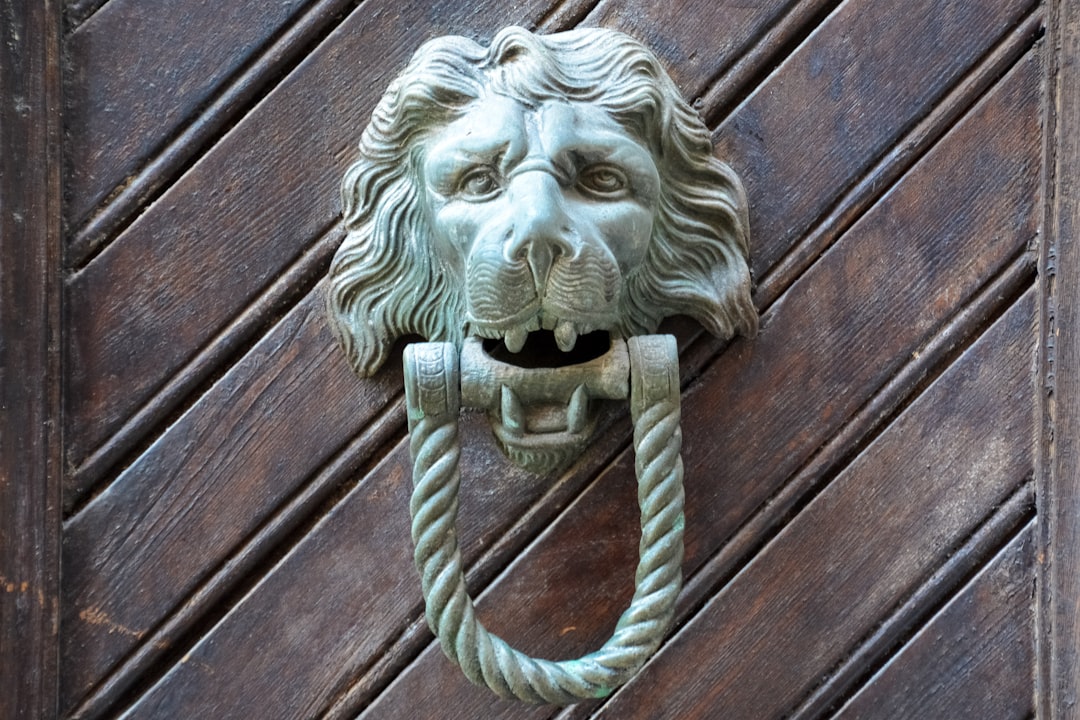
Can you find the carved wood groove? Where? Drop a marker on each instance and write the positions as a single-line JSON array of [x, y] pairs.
[[1002, 388], [189, 627], [147, 159], [737, 82], [1012, 520], [1014, 48], [233, 341], [199, 612], [963, 678], [293, 288]]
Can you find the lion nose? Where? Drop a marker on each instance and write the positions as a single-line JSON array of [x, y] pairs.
[[541, 229]]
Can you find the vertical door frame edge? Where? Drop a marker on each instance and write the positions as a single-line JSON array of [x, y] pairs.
[[30, 378], [1057, 675]]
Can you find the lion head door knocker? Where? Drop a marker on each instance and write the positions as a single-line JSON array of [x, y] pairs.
[[534, 209]]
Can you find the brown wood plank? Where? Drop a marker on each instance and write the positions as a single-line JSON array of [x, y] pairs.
[[947, 215], [847, 98], [696, 39], [142, 545], [30, 101], [188, 265], [867, 541], [359, 562], [974, 660], [126, 98], [785, 423], [128, 333], [865, 661], [1058, 675]]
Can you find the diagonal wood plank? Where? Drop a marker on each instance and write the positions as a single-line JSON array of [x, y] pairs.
[[974, 211], [674, 32], [245, 211], [126, 98], [863, 544], [851, 97], [128, 335], [974, 660]]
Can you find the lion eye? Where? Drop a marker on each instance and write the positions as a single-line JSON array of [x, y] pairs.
[[478, 184], [603, 180]]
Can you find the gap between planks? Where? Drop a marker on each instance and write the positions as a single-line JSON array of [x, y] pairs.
[[244, 89], [970, 557], [958, 334], [238, 337], [226, 585], [177, 623], [795, 495]]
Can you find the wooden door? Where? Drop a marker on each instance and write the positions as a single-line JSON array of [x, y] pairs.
[[204, 513]]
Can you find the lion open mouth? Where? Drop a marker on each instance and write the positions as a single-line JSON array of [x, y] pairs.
[[543, 401], [541, 349]]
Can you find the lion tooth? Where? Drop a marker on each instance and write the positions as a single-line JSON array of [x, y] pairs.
[[515, 338], [513, 414], [576, 410], [565, 335]]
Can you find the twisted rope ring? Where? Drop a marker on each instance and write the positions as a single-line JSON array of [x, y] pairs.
[[433, 399]]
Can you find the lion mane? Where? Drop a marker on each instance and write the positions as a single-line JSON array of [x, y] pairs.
[[386, 281]]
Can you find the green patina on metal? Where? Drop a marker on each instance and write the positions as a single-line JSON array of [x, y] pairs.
[[534, 209]]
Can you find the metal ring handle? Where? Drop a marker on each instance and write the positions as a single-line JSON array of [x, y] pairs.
[[432, 393]]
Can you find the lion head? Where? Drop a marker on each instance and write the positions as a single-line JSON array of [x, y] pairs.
[[534, 192]]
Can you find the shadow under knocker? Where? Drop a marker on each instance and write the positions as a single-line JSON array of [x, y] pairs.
[[534, 209]]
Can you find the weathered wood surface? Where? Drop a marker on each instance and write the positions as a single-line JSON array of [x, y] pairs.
[[211, 481], [132, 168], [188, 265], [974, 660], [126, 98], [822, 584], [1058, 676], [29, 364], [944, 215], [210, 246], [674, 32], [244, 474]]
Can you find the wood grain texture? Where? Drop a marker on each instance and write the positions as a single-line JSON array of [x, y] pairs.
[[974, 660], [245, 448], [945, 215], [876, 652], [249, 208], [676, 32], [126, 98], [1058, 677], [849, 96], [765, 431], [29, 362], [862, 545]]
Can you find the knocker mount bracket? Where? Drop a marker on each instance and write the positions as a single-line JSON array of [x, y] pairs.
[[534, 208]]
